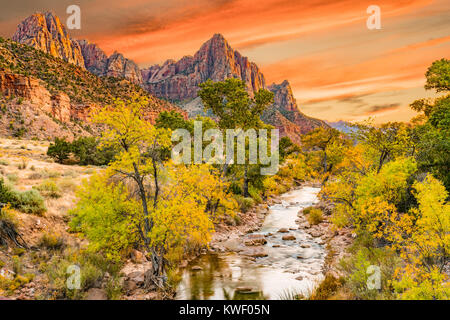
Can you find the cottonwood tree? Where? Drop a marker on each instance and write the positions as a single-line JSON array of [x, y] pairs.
[[322, 138], [148, 201], [389, 140], [234, 108]]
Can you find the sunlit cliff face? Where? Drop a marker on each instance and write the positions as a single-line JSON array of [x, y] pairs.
[[338, 68]]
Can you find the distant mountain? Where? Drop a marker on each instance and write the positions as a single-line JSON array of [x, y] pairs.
[[342, 126], [215, 60]]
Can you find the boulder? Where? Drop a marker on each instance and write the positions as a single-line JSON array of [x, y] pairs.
[[96, 294]]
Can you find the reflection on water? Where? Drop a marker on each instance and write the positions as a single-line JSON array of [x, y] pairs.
[[290, 266]]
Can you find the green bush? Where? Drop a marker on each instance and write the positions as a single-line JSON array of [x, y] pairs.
[[93, 268], [356, 267], [29, 201], [48, 188], [255, 194], [51, 241], [59, 150], [86, 150], [245, 204], [314, 215]]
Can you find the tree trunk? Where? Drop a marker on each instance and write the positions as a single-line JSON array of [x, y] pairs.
[[142, 195], [382, 158], [245, 189], [155, 174], [325, 161]]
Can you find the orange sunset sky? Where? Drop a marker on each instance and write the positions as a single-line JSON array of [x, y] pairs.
[[338, 69]]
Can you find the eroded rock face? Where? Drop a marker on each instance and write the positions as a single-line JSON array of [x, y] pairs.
[[120, 67], [26, 87], [44, 31], [97, 62], [215, 60], [32, 90]]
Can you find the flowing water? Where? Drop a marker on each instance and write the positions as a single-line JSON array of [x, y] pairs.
[[290, 266]]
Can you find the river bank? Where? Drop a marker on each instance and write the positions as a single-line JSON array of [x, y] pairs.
[[250, 249]]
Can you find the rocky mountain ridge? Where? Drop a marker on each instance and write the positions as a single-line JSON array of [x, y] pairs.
[[44, 31], [175, 81]]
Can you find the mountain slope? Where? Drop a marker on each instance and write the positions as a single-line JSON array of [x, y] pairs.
[[44, 31], [59, 90]]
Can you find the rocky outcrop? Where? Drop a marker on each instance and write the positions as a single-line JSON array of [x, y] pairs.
[[285, 111], [97, 62], [30, 89], [25, 87], [120, 67], [216, 60], [44, 31], [283, 96]]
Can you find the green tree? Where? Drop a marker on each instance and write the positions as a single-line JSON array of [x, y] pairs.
[[234, 108], [59, 150], [438, 76], [389, 140], [432, 130], [321, 138]]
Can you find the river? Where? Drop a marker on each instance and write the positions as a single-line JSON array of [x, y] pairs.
[[290, 267]]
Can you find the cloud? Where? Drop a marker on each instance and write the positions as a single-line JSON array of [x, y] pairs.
[[382, 108]]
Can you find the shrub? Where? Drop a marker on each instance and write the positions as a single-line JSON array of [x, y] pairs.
[[92, 270], [245, 204], [12, 177], [87, 152], [48, 188], [23, 164], [314, 215], [255, 194], [29, 201], [327, 288], [355, 267], [51, 241], [8, 226]]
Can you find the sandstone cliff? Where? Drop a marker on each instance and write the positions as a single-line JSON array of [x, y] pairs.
[[33, 91], [46, 32], [216, 60], [97, 62]]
